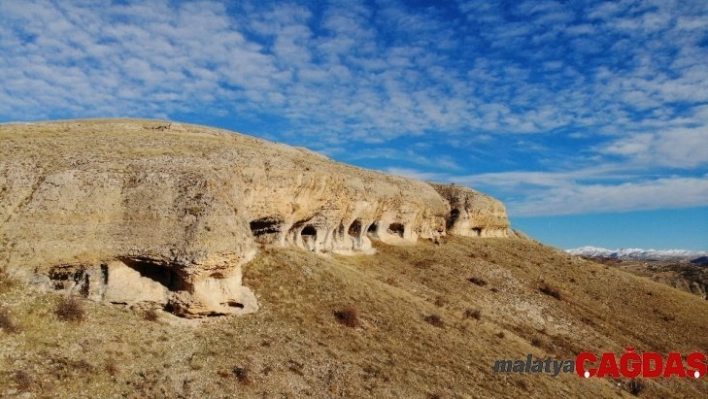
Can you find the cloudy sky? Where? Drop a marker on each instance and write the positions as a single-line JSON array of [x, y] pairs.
[[589, 119]]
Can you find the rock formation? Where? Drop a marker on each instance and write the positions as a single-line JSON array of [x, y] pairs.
[[166, 214], [474, 214]]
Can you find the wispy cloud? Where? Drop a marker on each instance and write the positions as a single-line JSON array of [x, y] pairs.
[[543, 90], [673, 192]]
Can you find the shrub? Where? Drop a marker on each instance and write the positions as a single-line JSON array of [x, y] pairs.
[[296, 367], [440, 301], [434, 320], [536, 342], [70, 309], [424, 263], [23, 380], [635, 387], [241, 374], [151, 315], [550, 291], [6, 283], [6, 323], [477, 281], [348, 316], [473, 314], [668, 318], [111, 367], [522, 384], [500, 335]]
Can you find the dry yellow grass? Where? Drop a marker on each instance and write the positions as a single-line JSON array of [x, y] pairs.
[[296, 347]]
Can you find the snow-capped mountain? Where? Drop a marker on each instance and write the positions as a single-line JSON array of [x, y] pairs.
[[638, 253]]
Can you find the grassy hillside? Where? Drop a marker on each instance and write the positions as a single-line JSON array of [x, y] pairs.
[[424, 321]]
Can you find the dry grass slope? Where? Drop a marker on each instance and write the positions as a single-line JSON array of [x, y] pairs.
[[296, 347]]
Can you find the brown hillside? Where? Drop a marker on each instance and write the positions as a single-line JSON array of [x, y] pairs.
[[416, 334]]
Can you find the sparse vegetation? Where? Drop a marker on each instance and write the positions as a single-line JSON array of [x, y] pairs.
[[424, 263], [522, 384], [296, 367], [196, 210], [6, 322], [23, 380], [550, 291], [151, 315], [635, 387], [111, 367], [537, 342], [473, 314], [349, 316], [289, 345], [242, 375], [70, 309], [440, 301], [668, 318], [478, 281], [435, 320], [6, 283]]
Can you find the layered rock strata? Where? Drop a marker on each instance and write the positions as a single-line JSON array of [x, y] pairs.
[[474, 214], [164, 214]]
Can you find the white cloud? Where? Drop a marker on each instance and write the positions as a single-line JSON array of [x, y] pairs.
[[399, 70], [626, 80], [676, 147], [673, 192]]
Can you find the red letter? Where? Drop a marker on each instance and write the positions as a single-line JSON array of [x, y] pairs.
[[631, 364], [674, 366], [608, 365], [647, 358], [580, 366], [698, 362]]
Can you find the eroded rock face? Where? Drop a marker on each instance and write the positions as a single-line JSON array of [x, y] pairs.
[[474, 214], [147, 212]]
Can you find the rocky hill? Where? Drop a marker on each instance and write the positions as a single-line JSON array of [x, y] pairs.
[[160, 213], [366, 285]]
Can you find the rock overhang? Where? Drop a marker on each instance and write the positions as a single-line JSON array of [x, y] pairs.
[[177, 210]]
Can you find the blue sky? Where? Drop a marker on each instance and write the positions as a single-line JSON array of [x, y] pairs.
[[589, 119]]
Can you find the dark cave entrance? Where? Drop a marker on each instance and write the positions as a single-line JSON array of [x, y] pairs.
[[396, 228], [454, 215], [355, 229], [265, 226], [163, 274], [309, 231]]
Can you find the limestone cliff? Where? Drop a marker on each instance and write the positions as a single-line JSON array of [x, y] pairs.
[[474, 214], [148, 212]]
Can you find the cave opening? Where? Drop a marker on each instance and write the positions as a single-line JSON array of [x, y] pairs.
[[454, 215], [373, 228], [264, 226], [165, 275], [233, 304], [477, 231], [355, 229], [396, 228], [309, 231]]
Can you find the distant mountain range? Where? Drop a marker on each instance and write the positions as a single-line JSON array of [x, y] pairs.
[[641, 254]]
